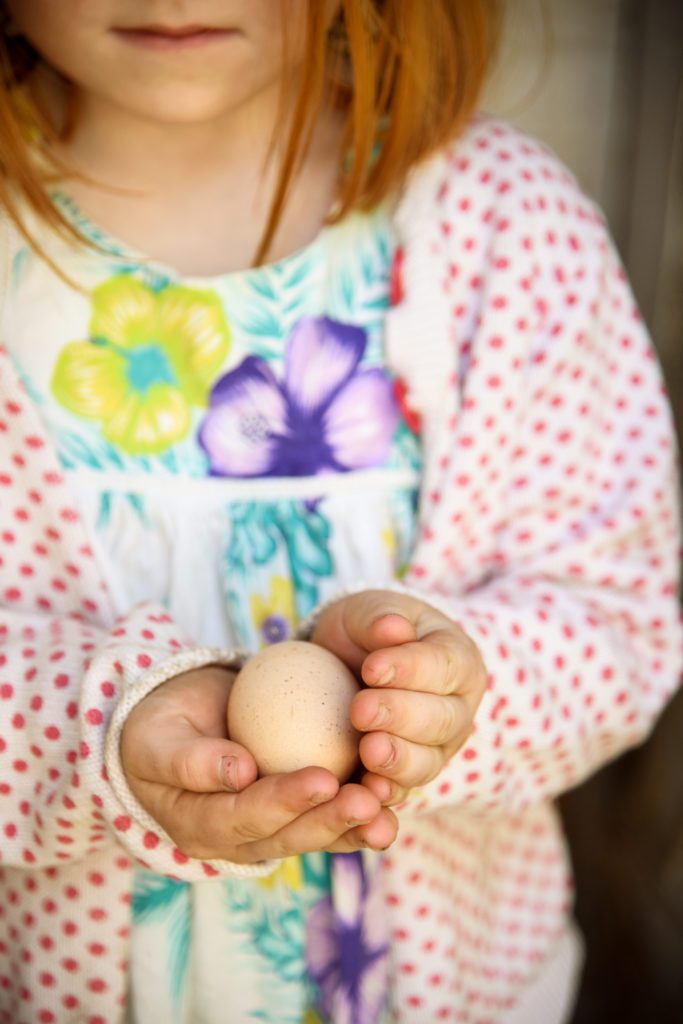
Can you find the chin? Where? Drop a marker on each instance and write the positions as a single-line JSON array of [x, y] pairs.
[[181, 106]]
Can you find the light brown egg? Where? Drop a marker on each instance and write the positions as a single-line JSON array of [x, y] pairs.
[[289, 706]]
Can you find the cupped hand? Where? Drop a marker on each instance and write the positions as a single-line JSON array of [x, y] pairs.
[[203, 789], [425, 678]]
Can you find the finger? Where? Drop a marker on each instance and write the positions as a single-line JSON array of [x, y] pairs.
[[388, 792], [377, 618], [408, 764], [217, 825], [445, 661], [320, 828], [364, 622], [420, 717], [379, 834], [174, 754]]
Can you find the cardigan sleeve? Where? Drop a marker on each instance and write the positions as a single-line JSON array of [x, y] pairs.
[[61, 681], [70, 672], [549, 514]]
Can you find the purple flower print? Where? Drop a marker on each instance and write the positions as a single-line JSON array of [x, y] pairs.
[[275, 628], [326, 415], [346, 947]]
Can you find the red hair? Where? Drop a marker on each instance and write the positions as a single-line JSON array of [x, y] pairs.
[[405, 74]]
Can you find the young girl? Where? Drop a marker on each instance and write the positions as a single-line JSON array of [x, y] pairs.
[[284, 323]]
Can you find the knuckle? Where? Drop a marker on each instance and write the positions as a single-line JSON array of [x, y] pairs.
[[247, 854], [463, 665], [182, 769], [270, 848], [434, 768], [449, 722], [247, 832], [352, 841], [450, 668], [195, 830], [420, 765], [399, 794], [345, 802], [281, 849]]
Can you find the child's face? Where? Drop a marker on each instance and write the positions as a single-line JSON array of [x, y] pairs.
[[168, 60]]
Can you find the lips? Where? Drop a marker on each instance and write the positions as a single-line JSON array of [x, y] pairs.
[[171, 31], [171, 37]]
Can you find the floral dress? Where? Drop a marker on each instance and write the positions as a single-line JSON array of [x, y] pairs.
[[238, 451]]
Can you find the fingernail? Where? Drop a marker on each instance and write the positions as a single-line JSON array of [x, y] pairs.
[[319, 798], [386, 677], [390, 791], [391, 758], [381, 715], [229, 772]]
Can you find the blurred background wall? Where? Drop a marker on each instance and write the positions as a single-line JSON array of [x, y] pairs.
[[601, 81]]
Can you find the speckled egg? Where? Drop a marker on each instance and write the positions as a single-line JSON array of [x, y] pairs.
[[289, 706]]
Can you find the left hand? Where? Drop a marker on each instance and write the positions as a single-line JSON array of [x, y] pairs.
[[425, 678], [174, 749]]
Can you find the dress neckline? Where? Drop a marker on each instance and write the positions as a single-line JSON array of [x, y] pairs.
[[116, 247]]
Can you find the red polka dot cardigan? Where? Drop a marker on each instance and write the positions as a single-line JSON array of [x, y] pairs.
[[548, 529]]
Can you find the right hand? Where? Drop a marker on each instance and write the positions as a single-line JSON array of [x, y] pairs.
[[172, 749]]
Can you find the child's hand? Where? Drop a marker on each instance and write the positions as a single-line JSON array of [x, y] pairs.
[[425, 678], [173, 750]]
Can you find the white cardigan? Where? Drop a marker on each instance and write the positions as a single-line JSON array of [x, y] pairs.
[[548, 529]]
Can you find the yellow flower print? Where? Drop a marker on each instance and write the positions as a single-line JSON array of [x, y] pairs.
[[391, 545], [152, 355], [274, 617], [288, 872], [389, 540]]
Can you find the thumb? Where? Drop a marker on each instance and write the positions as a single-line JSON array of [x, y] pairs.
[[180, 757], [364, 622]]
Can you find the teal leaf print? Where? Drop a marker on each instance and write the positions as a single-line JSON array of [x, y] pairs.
[[317, 871], [104, 515], [31, 390], [359, 288], [272, 921], [407, 448], [307, 542], [85, 227], [347, 289], [268, 302], [280, 939], [154, 894], [239, 898], [290, 539], [108, 500], [88, 449], [18, 264], [260, 533], [168, 901]]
